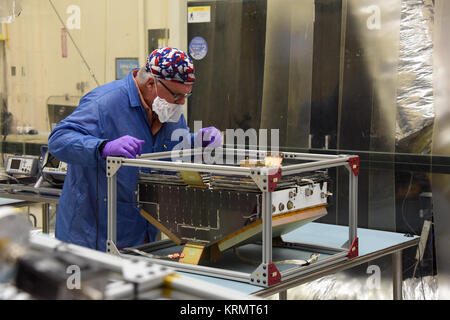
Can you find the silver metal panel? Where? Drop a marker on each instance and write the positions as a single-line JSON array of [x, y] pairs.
[[300, 75], [441, 145], [286, 103], [369, 98], [367, 111]]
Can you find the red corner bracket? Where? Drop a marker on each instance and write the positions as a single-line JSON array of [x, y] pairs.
[[274, 275], [274, 179], [354, 165], [353, 252]]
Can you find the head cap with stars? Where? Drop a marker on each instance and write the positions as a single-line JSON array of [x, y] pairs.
[[171, 64]]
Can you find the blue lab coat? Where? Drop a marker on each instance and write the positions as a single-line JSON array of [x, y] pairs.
[[106, 113]]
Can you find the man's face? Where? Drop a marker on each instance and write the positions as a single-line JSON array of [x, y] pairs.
[[171, 91]]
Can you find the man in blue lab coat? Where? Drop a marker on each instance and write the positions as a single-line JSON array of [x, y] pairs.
[[126, 118]]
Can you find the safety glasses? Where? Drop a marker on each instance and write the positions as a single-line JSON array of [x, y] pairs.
[[177, 96]]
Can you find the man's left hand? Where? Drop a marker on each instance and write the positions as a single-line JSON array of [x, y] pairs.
[[210, 136]]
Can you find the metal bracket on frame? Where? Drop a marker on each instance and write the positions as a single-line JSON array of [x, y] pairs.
[[266, 274], [144, 273], [112, 165], [111, 248], [353, 252], [354, 165], [266, 178]]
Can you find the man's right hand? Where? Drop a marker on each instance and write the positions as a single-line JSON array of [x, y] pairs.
[[125, 146]]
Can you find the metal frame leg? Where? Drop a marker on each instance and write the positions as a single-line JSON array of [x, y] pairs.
[[112, 215], [353, 207], [397, 277], [282, 295], [46, 218], [267, 227]]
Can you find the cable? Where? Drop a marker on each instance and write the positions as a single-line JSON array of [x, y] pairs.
[[55, 184], [73, 41], [421, 277], [34, 218], [413, 231], [404, 202], [420, 262], [8, 176], [313, 258], [171, 256], [44, 176]]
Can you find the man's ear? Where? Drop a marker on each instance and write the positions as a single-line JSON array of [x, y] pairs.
[[150, 82]]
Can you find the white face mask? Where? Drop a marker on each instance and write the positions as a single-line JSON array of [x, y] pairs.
[[167, 112]]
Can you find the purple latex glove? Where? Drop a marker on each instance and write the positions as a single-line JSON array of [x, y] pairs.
[[125, 146], [210, 136]]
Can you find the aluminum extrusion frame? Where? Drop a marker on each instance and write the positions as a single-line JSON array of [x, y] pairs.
[[266, 274]]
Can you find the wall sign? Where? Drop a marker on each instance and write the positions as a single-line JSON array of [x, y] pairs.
[[199, 14], [198, 48], [124, 66]]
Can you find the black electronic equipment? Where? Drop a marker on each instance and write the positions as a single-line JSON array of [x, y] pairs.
[[22, 165], [52, 169]]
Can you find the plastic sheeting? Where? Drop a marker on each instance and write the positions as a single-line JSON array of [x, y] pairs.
[[425, 288], [415, 102], [9, 292], [343, 287], [9, 10]]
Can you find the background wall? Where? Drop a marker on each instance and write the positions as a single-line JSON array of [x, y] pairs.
[[107, 29]]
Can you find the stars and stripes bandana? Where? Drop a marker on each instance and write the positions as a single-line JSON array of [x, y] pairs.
[[171, 64]]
